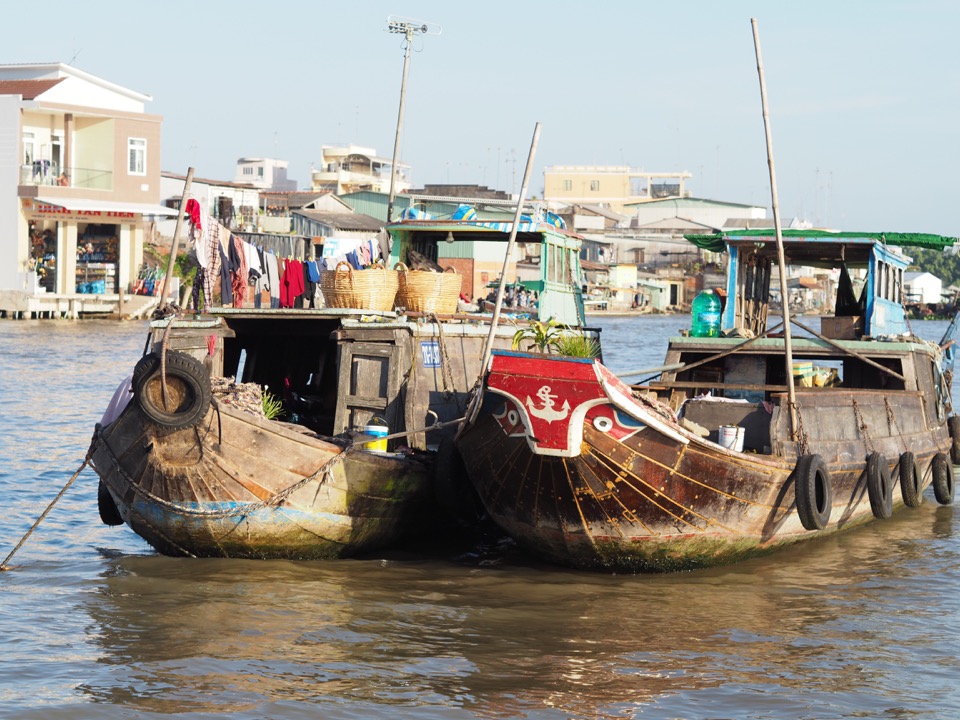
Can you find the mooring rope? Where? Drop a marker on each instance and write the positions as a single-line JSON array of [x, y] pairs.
[[86, 461]]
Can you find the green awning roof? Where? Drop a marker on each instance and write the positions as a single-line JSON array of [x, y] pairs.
[[717, 242]]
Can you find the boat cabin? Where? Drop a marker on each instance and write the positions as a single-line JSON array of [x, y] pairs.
[[864, 347], [876, 310], [334, 369], [546, 259]]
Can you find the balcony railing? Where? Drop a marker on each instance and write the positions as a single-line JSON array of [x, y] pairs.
[[44, 172]]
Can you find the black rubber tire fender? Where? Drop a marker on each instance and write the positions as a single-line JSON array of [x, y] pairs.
[[145, 366], [953, 425], [188, 390], [109, 514], [943, 486], [814, 492], [911, 489], [879, 486]]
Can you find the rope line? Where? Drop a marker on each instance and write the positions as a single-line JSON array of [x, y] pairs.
[[86, 461]]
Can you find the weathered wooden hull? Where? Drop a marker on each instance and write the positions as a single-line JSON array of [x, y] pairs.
[[627, 490], [221, 489]]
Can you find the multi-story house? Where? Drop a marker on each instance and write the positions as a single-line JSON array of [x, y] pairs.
[[265, 174], [352, 168], [610, 186], [79, 183]]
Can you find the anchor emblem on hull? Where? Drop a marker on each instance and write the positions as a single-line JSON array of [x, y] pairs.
[[546, 411]]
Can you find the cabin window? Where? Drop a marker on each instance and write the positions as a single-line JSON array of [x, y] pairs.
[[888, 283]]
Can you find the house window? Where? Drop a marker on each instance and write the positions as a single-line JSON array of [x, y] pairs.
[[136, 156], [259, 172], [568, 185], [594, 185], [248, 171], [29, 151]]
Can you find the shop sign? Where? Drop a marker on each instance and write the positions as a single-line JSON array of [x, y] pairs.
[[55, 210], [43, 209]]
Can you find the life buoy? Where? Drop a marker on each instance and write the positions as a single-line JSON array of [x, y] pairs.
[[814, 492], [942, 478], [188, 390], [953, 425], [878, 486], [910, 480], [109, 515]]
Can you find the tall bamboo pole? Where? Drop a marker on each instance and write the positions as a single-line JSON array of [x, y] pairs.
[[176, 237], [781, 260], [488, 346]]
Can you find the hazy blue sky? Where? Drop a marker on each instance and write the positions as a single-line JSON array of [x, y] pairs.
[[864, 96]]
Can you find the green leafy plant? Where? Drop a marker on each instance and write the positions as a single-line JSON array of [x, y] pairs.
[[272, 406], [539, 335], [550, 337], [577, 345]]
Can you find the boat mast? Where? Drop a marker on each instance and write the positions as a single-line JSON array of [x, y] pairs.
[[166, 295], [488, 347], [781, 261], [409, 28]]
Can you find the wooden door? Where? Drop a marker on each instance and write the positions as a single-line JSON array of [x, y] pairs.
[[368, 385]]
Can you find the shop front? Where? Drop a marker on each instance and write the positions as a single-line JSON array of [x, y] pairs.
[[76, 247]]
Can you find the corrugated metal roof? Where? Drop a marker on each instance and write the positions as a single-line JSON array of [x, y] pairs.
[[208, 181], [688, 202], [294, 199], [29, 89], [674, 223], [604, 212], [342, 221]]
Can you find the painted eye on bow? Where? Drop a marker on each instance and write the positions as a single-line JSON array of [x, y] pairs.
[[603, 424]]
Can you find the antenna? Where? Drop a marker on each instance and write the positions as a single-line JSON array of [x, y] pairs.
[[409, 26]]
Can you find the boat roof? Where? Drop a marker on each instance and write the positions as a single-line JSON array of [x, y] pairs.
[[480, 227], [821, 244]]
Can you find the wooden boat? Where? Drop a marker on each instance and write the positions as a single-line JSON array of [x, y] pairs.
[[586, 471], [193, 474]]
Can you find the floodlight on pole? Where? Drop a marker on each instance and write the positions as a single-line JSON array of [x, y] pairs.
[[408, 28]]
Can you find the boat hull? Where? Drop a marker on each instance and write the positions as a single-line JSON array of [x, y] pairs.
[[622, 487], [241, 486]]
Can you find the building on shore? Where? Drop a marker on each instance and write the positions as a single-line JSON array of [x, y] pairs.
[[353, 168], [79, 189], [236, 206], [265, 174], [611, 186]]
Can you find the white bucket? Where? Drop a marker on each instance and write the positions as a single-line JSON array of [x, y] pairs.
[[731, 437]]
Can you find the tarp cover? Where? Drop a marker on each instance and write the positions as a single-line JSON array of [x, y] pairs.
[[717, 242]]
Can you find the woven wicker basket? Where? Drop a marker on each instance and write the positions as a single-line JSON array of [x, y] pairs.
[[371, 289], [427, 291]]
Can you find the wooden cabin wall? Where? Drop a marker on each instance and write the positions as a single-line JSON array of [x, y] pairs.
[[837, 426], [444, 369], [195, 342]]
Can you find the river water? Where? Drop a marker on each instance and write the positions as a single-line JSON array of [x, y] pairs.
[[93, 624]]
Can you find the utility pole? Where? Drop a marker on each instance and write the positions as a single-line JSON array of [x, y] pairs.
[[408, 28]]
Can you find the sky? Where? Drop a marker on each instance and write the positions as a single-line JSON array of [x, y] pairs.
[[863, 95]]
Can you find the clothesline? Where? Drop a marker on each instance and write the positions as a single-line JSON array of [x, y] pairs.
[[237, 264]]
